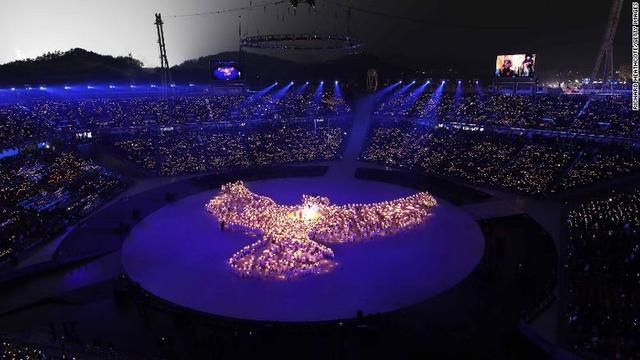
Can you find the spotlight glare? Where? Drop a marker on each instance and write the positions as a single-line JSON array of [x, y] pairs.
[[13, 89], [67, 87], [191, 85]]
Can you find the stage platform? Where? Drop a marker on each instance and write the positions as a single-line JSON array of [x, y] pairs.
[[179, 254]]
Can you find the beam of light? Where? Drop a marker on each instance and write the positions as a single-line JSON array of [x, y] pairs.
[[337, 94], [382, 94], [336, 89], [478, 88], [458, 93], [302, 88], [414, 95], [317, 98], [456, 101], [260, 93], [318, 92], [434, 102], [271, 101], [387, 89], [393, 102], [282, 92], [253, 97], [404, 89]]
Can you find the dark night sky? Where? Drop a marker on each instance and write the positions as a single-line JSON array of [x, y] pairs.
[[566, 34]]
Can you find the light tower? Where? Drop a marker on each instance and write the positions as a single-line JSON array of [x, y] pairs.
[[604, 61], [164, 63]]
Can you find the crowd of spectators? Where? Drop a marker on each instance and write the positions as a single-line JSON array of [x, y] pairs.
[[269, 143], [58, 349], [517, 163], [41, 118], [610, 116], [44, 191], [596, 164], [19, 125], [604, 116], [604, 273]]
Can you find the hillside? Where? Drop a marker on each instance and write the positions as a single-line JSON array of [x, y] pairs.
[[78, 66]]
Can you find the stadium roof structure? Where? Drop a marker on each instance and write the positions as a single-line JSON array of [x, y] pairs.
[[301, 42]]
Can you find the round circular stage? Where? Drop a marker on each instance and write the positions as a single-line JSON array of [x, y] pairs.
[[180, 254]]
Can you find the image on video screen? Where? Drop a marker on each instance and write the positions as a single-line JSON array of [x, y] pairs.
[[519, 65], [225, 70]]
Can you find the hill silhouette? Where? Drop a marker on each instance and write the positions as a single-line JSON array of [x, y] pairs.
[[79, 66], [73, 66]]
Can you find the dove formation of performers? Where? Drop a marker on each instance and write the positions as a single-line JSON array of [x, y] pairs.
[[289, 244]]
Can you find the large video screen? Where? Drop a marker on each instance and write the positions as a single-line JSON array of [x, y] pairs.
[[518, 65], [225, 70]]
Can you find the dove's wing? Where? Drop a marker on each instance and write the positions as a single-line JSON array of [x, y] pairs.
[[235, 204], [363, 221]]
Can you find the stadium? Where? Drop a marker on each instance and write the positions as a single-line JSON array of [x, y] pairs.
[[255, 203]]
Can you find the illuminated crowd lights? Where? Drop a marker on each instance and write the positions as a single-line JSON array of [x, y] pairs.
[[290, 236], [132, 86]]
